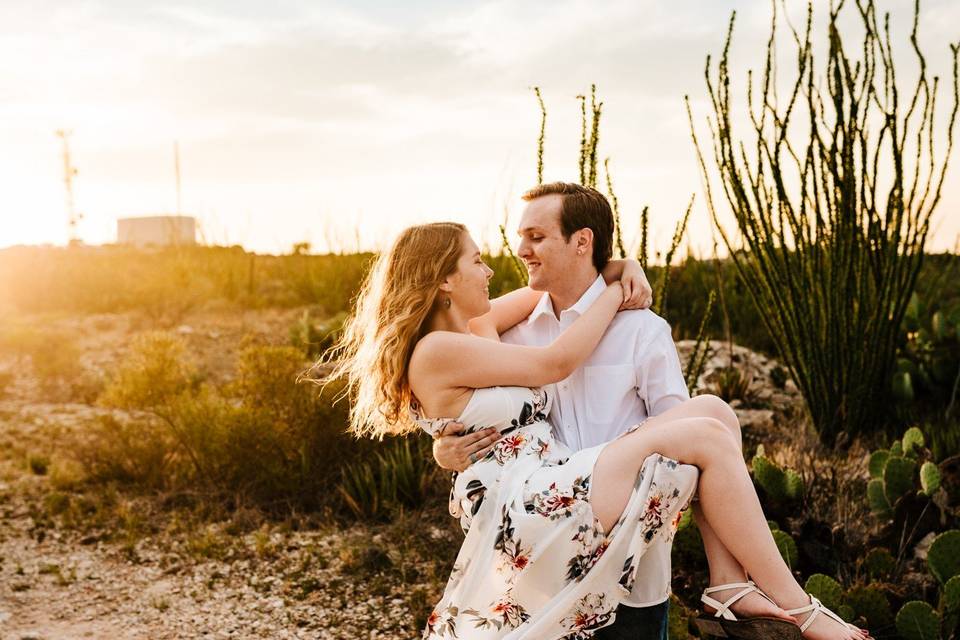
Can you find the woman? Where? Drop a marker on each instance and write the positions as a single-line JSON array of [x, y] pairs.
[[553, 540]]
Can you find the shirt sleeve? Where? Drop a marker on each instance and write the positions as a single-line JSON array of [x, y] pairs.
[[661, 383]]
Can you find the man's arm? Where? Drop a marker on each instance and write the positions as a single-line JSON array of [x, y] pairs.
[[660, 377]]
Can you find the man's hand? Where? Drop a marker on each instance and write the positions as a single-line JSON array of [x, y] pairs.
[[456, 452], [637, 293]]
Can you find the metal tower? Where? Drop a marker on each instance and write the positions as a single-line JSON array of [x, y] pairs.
[[69, 171]]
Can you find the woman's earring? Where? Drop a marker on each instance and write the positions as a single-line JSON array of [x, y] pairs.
[[447, 302]]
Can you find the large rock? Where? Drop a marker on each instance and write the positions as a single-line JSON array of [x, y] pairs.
[[763, 400]]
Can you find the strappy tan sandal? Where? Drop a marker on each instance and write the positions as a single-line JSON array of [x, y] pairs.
[[816, 607], [723, 624]]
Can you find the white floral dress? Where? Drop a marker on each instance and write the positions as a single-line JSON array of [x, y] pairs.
[[536, 562]]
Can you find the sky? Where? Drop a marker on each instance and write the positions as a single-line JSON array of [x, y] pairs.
[[340, 123]]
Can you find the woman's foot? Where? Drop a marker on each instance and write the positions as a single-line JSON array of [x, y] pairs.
[[826, 625], [752, 605]]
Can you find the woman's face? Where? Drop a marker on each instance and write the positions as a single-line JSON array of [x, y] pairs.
[[468, 286]]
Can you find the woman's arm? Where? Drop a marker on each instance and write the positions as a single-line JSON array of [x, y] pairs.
[[482, 363], [510, 309], [505, 311]]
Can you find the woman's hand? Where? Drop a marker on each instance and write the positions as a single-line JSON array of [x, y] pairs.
[[455, 451], [637, 293]]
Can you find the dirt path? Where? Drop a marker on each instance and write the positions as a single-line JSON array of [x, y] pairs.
[[62, 589]]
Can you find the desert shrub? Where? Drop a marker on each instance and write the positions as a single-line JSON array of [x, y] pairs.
[[153, 374], [314, 338], [126, 451], [53, 355], [730, 383], [262, 438], [400, 476]]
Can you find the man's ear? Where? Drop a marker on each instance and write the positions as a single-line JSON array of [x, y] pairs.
[[584, 240]]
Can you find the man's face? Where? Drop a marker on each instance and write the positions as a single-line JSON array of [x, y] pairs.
[[542, 246]]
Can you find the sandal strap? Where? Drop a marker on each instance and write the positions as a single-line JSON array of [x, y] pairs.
[[816, 608], [723, 608]]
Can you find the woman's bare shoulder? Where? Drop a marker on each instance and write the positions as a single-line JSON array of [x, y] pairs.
[[433, 350]]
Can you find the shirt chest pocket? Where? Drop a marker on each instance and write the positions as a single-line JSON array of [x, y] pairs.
[[606, 388]]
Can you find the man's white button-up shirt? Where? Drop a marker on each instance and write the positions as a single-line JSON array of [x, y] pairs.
[[633, 373]]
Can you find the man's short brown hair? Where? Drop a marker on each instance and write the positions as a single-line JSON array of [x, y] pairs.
[[582, 208]]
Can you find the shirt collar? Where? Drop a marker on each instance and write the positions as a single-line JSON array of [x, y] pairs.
[[545, 306]]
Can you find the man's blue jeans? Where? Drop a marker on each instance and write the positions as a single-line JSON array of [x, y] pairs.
[[633, 623]]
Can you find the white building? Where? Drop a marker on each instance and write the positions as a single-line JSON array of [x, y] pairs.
[[157, 231]]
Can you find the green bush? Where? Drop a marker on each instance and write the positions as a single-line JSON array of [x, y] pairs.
[[400, 476], [261, 438]]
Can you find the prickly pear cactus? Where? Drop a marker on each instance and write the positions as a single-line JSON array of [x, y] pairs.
[[917, 620], [912, 441], [879, 563], [872, 604], [787, 547], [878, 460], [896, 449], [898, 477], [846, 613], [943, 558], [771, 478], [950, 606], [929, 478], [794, 485], [877, 498], [825, 589], [950, 596]]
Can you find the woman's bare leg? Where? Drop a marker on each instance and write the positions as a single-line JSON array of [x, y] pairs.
[[728, 501], [724, 568]]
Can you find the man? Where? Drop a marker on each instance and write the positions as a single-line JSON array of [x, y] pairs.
[[634, 372]]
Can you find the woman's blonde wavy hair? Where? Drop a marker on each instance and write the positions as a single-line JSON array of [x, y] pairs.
[[397, 297]]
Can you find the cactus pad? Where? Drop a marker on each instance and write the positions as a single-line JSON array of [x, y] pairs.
[[929, 478], [846, 613], [878, 460], [943, 558], [898, 477], [917, 620], [879, 504], [770, 477], [825, 589], [950, 596], [794, 485], [896, 449], [872, 604], [912, 440], [787, 547], [879, 563]]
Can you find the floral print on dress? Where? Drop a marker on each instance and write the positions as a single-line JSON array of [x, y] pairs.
[[591, 547], [535, 562], [505, 612], [592, 612], [509, 448], [514, 556], [554, 503]]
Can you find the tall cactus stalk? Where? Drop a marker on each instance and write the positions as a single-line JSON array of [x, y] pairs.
[[543, 134], [832, 192], [615, 205]]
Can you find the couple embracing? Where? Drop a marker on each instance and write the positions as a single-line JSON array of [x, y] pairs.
[[562, 408]]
